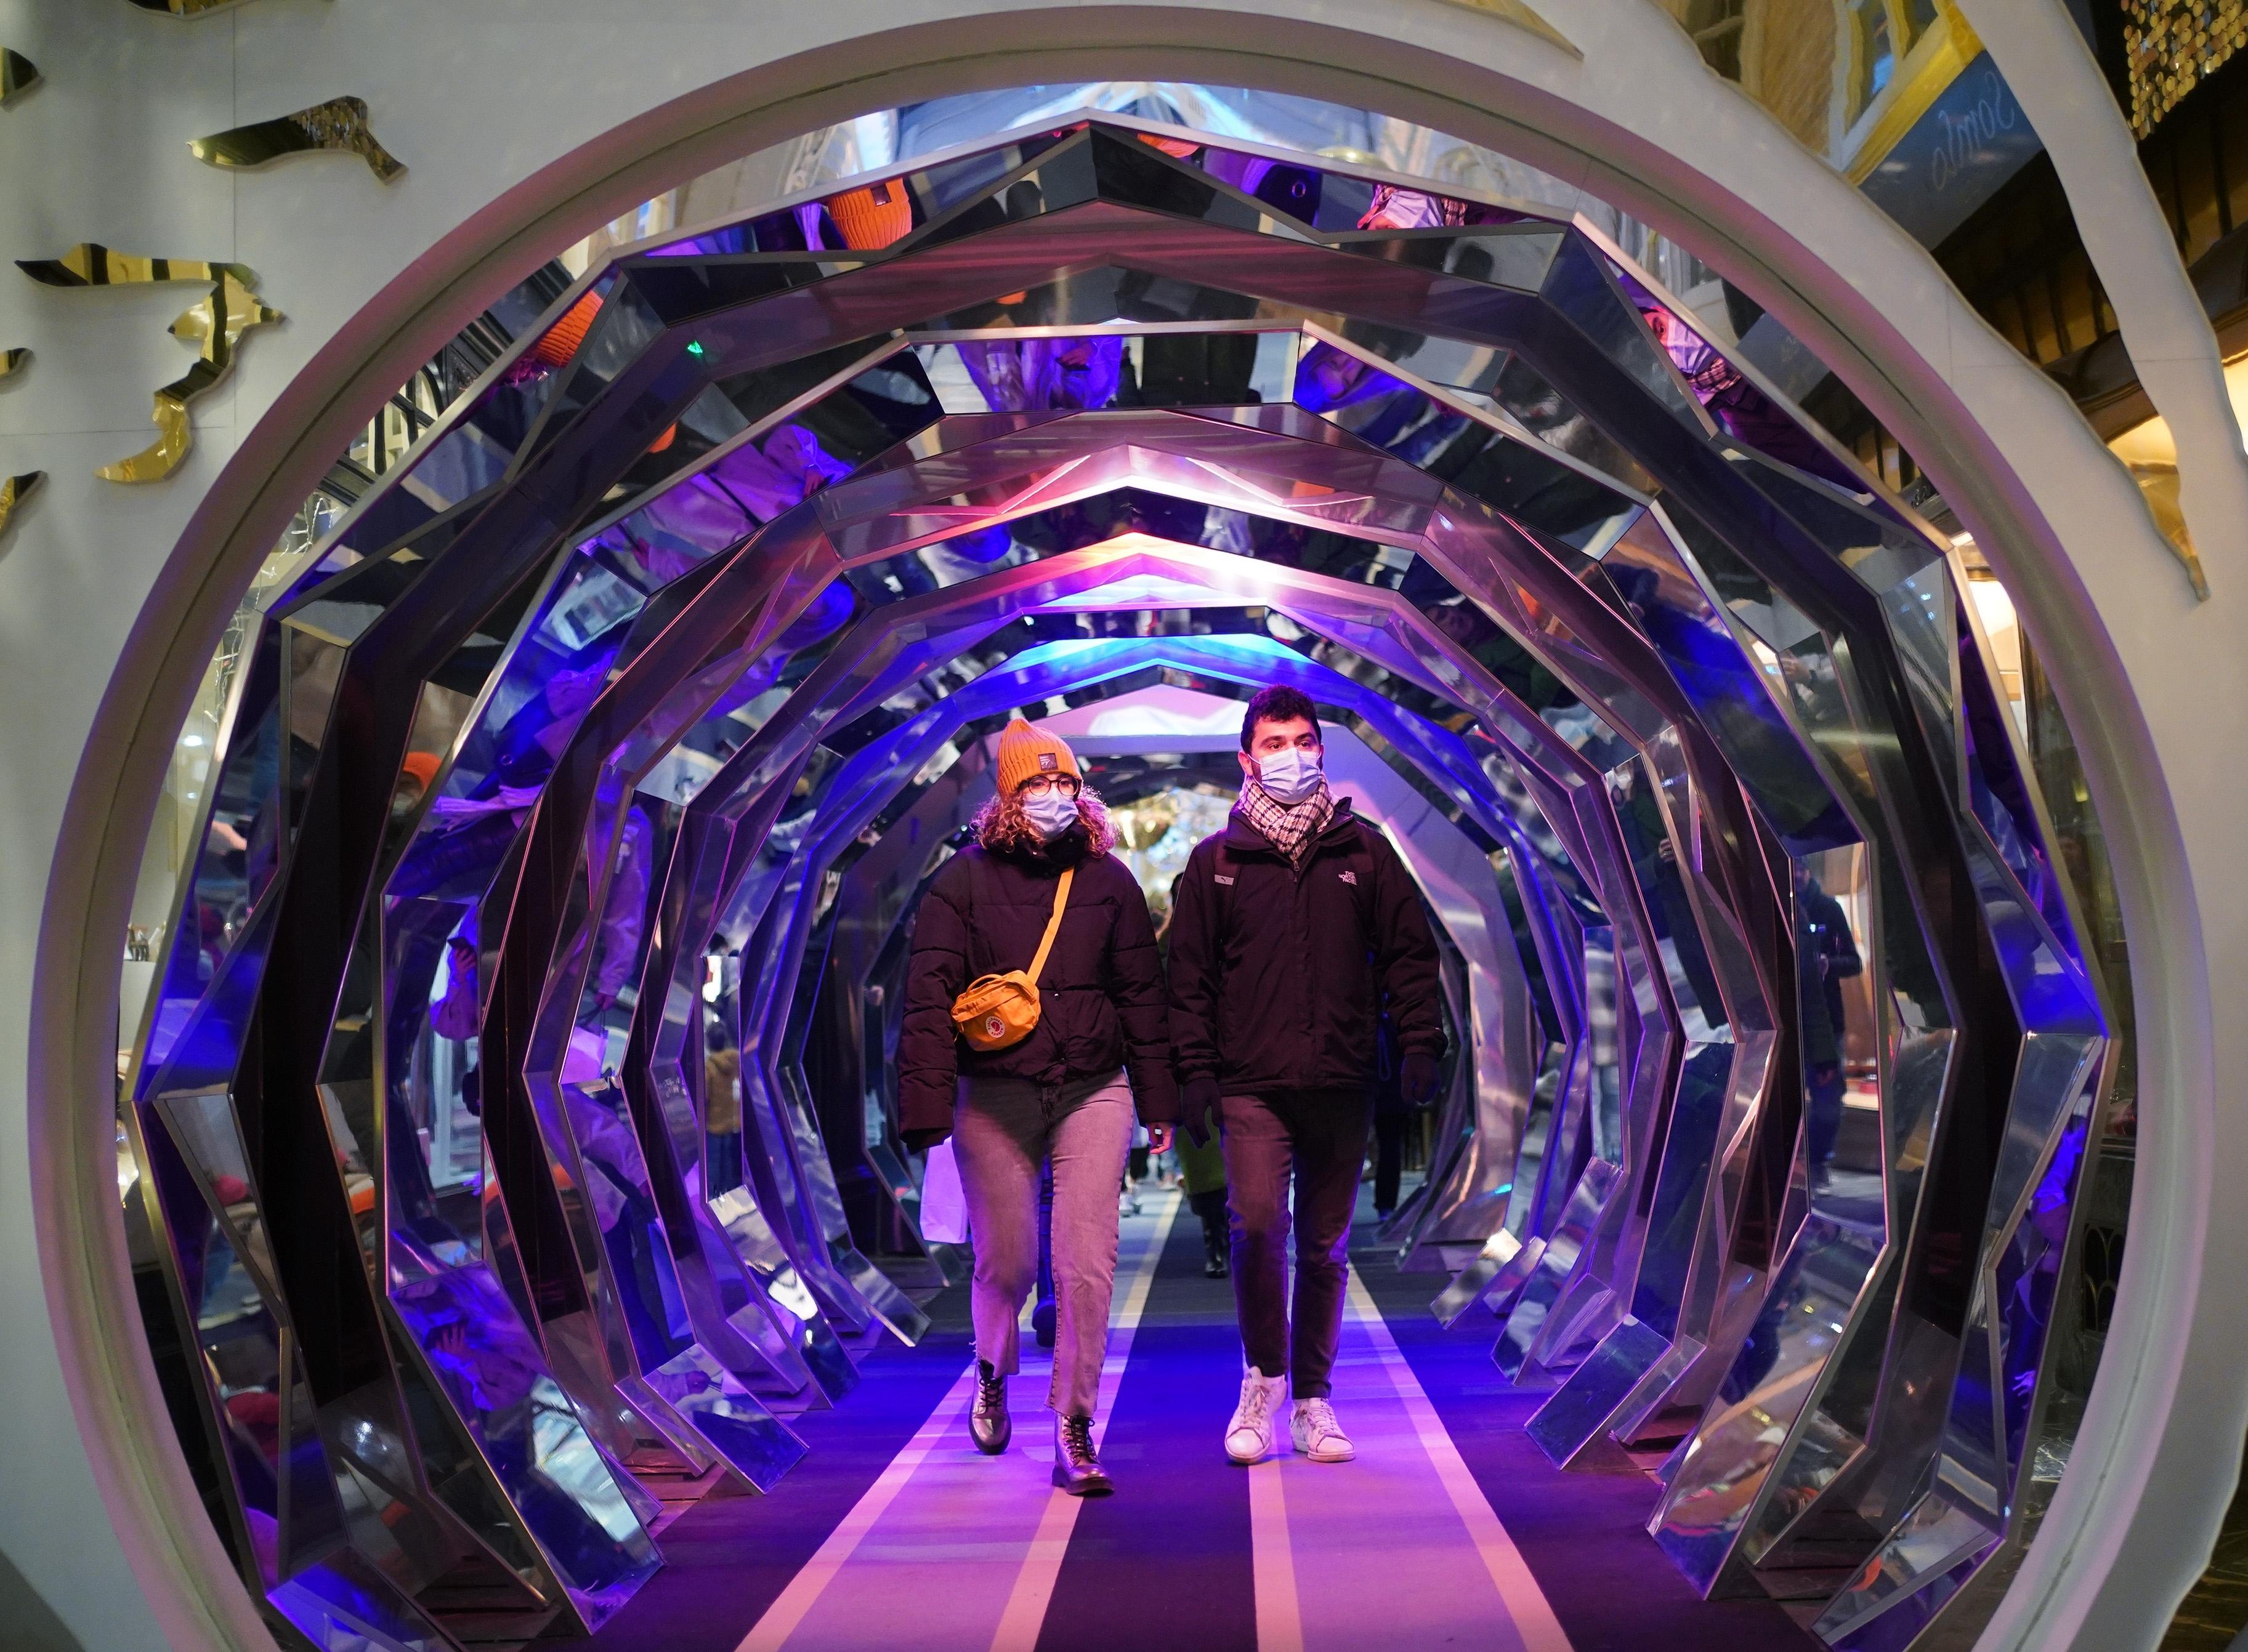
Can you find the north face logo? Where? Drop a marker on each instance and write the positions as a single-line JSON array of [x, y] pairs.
[[1046, 761], [1349, 876]]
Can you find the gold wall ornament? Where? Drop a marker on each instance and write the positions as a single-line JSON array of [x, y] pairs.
[[1518, 13], [18, 75], [14, 491], [91, 264], [339, 125], [13, 362], [217, 324], [2159, 482]]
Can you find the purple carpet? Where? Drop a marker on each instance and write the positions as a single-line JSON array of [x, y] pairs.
[[1368, 1554], [728, 1558], [1170, 1549], [1583, 1532]]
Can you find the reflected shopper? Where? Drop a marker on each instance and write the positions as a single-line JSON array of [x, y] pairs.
[[1038, 893], [1202, 1163], [1391, 1117], [721, 1111], [1825, 956], [1293, 931]]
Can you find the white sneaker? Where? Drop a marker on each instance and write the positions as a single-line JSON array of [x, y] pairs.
[[1248, 1437], [1315, 1434]]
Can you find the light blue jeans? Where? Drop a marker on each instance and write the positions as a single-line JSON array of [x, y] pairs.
[[1003, 1130]]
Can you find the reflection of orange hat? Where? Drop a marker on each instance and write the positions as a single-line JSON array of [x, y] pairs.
[[1177, 148], [873, 214], [1026, 752], [560, 342], [554, 347], [423, 766]]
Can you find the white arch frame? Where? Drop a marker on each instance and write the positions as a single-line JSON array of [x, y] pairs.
[[1636, 119]]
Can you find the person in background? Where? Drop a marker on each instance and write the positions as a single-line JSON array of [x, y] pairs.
[[1201, 1161], [1293, 931], [1201, 1173], [1391, 1116], [1165, 1167], [1825, 956], [722, 1109], [1059, 1095]]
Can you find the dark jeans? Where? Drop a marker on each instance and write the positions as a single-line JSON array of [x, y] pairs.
[[1388, 1155], [1824, 1085], [721, 1163], [1319, 1137]]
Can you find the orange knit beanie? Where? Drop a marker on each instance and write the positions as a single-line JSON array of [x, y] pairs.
[[1026, 752], [873, 214]]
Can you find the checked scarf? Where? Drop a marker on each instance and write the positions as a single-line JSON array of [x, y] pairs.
[[1292, 827]]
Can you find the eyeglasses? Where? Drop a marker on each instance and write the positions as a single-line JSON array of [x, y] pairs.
[[1039, 785]]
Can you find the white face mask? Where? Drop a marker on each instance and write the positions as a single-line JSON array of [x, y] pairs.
[[1290, 775], [1050, 813]]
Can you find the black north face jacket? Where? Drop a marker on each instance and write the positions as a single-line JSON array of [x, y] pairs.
[[1278, 979], [1101, 996]]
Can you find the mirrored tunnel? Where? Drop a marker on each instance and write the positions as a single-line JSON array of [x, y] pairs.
[[625, 724]]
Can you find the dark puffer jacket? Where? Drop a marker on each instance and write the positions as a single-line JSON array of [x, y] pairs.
[[1278, 980], [1101, 1002]]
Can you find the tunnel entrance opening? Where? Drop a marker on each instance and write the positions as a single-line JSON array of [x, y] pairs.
[[639, 704]]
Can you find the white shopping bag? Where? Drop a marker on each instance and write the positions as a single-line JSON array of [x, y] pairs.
[[943, 1205]]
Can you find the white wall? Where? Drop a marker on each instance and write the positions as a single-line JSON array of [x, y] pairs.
[[527, 123]]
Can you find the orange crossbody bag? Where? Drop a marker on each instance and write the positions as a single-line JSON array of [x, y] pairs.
[[997, 1011]]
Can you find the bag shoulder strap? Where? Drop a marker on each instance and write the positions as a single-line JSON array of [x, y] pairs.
[[1054, 924]]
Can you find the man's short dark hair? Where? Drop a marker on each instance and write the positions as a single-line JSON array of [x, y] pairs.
[[1278, 705]]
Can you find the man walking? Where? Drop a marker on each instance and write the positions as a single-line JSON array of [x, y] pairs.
[[1293, 932]]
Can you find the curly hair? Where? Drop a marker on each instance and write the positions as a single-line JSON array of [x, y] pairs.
[[1002, 827], [1279, 704]]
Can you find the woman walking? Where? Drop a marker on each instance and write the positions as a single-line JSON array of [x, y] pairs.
[[1038, 893]]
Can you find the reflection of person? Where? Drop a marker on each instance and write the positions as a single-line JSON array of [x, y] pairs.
[[1293, 930], [1396, 208], [616, 948], [1202, 1163], [615, 1184], [1825, 955], [415, 775], [1056, 1094], [1029, 374], [722, 1109], [1390, 1115], [453, 1009]]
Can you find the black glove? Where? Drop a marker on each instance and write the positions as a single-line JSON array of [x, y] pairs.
[[1418, 1078], [921, 1141], [1198, 1102]]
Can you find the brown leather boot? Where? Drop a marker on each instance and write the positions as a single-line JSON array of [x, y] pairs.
[[989, 1426], [1076, 1466]]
